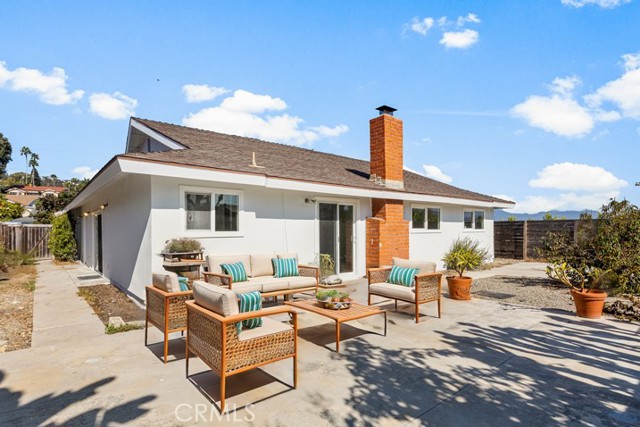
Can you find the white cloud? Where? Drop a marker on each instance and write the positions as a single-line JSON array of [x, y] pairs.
[[243, 101], [623, 92], [471, 17], [85, 171], [434, 172], [564, 86], [556, 114], [631, 61], [116, 106], [420, 26], [577, 177], [459, 39], [247, 114], [200, 93], [51, 88], [605, 4]]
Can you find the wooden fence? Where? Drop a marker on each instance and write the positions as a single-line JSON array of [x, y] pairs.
[[520, 239], [26, 238]]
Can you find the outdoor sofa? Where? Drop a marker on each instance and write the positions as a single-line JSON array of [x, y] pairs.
[[260, 272]]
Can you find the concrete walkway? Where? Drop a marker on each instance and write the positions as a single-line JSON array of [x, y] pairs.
[[482, 364]]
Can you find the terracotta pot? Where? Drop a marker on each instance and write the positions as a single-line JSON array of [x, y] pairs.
[[589, 304], [459, 287]]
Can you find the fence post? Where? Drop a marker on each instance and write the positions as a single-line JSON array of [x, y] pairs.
[[19, 241], [525, 240]]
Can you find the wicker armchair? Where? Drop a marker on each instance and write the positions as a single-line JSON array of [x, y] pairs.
[[166, 308], [427, 287], [214, 337]]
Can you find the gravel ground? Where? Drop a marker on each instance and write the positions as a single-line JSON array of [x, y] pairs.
[[533, 292]]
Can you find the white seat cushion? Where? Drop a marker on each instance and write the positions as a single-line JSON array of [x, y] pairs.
[[246, 287], [270, 283], [297, 282], [288, 255], [261, 265], [269, 326], [214, 261], [220, 300], [424, 267], [390, 290]]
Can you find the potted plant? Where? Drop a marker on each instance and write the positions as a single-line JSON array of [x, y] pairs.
[[584, 286], [182, 248], [327, 268], [464, 254]]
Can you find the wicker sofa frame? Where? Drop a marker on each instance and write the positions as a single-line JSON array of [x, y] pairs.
[[428, 288], [214, 339], [304, 270], [166, 311]]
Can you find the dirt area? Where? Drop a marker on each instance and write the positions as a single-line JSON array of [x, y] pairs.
[[16, 308], [109, 301], [498, 262]]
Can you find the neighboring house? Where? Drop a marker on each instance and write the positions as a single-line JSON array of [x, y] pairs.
[[28, 202], [243, 195], [39, 190]]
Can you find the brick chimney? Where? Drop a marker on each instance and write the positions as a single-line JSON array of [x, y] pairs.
[[387, 230], [386, 149]]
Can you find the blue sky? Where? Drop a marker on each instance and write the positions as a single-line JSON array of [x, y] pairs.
[[535, 101]]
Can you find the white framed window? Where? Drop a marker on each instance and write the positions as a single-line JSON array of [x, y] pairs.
[[473, 220], [211, 211], [425, 218]]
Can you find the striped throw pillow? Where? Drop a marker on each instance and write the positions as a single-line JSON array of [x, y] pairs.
[[402, 276], [184, 283], [285, 267], [236, 271], [251, 301]]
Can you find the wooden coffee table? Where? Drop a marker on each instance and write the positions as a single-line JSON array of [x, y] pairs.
[[356, 311]]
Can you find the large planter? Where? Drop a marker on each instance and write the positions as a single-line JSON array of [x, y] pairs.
[[590, 303], [459, 287]]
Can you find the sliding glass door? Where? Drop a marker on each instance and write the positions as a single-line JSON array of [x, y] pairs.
[[337, 235]]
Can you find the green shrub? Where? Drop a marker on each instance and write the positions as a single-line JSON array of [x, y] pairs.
[[62, 242], [183, 244], [8, 210], [111, 329], [611, 243]]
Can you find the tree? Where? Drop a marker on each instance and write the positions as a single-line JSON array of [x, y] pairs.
[[8, 210], [46, 206], [26, 152], [511, 218], [5, 154], [73, 187], [62, 242], [33, 164]]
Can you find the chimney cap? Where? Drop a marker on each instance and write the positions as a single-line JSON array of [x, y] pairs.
[[385, 109]]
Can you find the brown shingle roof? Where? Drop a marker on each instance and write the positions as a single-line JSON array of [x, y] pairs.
[[22, 199], [234, 153]]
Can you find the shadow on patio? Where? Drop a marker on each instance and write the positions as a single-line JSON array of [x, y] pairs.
[[491, 376], [39, 412]]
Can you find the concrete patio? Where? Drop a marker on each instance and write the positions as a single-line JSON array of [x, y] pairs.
[[482, 364]]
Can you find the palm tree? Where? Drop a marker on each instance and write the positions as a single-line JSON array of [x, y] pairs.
[[33, 164], [26, 152]]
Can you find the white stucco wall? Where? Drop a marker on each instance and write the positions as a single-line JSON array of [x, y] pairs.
[[271, 221], [126, 236], [431, 245]]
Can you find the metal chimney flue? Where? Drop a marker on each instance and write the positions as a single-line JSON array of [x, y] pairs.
[[385, 109]]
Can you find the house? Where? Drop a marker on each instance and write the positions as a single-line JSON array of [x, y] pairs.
[[243, 195], [39, 190], [27, 201]]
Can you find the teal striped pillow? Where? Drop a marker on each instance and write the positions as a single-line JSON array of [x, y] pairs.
[[184, 283], [402, 276], [236, 271], [285, 267], [251, 301]]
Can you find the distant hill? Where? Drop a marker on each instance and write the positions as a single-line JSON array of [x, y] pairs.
[[501, 215]]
